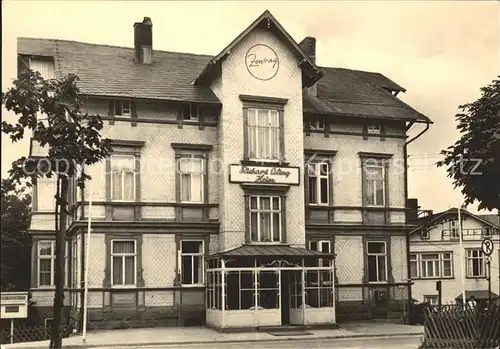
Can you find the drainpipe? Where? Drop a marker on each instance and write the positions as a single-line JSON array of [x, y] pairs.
[[408, 267]]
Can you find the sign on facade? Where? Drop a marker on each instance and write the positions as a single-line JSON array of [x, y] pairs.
[[264, 174], [262, 62], [487, 246], [14, 305]]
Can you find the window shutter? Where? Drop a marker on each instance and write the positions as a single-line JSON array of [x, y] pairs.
[[307, 128], [133, 113], [365, 131], [179, 116], [111, 111], [382, 132]]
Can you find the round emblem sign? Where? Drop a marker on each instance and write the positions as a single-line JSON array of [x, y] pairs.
[[262, 62]]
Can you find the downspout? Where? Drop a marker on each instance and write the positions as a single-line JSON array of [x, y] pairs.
[[408, 267]]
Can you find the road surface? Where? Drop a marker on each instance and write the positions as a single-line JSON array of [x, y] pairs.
[[351, 343]]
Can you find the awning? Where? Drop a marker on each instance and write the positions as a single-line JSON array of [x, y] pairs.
[[272, 251], [477, 294]]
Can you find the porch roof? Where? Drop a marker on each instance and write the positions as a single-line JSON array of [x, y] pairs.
[[272, 250]]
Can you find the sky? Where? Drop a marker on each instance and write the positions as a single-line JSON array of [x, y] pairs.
[[442, 52]]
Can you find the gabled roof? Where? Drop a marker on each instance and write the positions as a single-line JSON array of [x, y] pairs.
[[492, 218], [358, 93], [436, 218], [310, 72], [111, 71]]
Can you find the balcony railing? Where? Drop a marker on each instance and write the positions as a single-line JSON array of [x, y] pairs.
[[467, 234]]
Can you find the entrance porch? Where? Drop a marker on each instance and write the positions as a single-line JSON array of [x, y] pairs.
[[268, 285]]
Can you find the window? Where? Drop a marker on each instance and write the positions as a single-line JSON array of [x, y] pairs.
[[123, 262], [319, 288], [316, 124], [45, 192], [413, 266], [46, 250], [46, 263], [431, 265], [454, 229], [476, 263], [263, 134], [377, 261], [374, 172], [190, 112], [192, 252], [318, 181], [265, 219], [122, 107], [192, 172], [432, 300], [321, 246], [373, 128], [123, 177]]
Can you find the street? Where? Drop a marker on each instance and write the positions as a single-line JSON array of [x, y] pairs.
[[351, 343]]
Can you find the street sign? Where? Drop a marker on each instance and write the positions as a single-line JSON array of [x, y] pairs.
[[14, 305], [487, 246]]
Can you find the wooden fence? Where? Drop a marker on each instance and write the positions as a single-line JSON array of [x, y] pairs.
[[456, 326]]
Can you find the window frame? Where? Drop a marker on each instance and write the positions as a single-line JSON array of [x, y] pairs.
[[121, 102], [193, 255], [203, 174], [259, 130], [193, 117], [319, 243], [470, 267], [123, 256], [316, 123], [318, 177], [377, 255], [430, 296], [375, 203], [265, 103], [271, 211], [134, 172], [52, 257], [376, 160], [416, 259]]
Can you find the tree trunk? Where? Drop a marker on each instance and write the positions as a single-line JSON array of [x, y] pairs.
[[56, 339]]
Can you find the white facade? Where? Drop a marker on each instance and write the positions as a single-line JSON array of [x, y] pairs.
[[435, 254]]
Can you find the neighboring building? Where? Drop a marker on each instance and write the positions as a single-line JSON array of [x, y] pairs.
[[235, 180], [436, 255]]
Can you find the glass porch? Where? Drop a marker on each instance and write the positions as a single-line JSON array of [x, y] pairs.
[[263, 290]]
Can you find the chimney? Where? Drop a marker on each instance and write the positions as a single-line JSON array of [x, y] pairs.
[[309, 47], [412, 213], [143, 41]]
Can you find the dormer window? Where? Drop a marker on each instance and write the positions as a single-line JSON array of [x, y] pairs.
[[373, 128], [316, 124], [190, 112], [122, 107]]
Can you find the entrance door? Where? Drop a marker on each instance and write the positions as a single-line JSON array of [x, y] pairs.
[[285, 291], [379, 305]]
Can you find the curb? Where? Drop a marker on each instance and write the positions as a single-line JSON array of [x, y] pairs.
[[216, 342]]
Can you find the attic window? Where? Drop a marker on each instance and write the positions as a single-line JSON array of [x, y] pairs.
[[316, 124], [122, 107], [190, 112], [373, 128]]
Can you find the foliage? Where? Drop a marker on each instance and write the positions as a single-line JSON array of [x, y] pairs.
[[473, 162], [15, 247], [52, 110]]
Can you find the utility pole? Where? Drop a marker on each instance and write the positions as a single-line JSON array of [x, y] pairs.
[[462, 257]]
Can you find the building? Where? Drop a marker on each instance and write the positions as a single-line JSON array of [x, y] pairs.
[[235, 184], [436, 255]]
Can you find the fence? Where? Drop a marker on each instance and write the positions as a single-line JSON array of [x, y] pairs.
[[30, 334], [456, 326]]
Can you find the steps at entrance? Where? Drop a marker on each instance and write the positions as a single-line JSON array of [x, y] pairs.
[[296, 328]]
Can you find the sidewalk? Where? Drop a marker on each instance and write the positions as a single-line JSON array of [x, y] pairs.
[[198, 335]]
